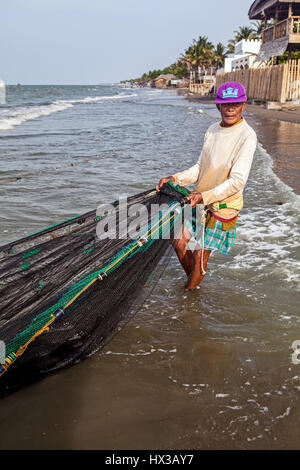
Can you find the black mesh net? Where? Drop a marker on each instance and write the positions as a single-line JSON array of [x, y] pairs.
[[64, 292]]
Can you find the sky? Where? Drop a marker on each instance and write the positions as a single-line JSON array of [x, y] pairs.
[[83, 42]]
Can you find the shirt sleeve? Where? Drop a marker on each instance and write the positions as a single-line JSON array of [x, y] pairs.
[[238, 175], [188, 176]]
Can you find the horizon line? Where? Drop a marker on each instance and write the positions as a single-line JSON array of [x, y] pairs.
[[61, 84]]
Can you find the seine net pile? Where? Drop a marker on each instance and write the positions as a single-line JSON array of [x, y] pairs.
[[64, 292]]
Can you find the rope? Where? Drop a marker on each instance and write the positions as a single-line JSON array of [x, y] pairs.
[[10, 359], [203, 221]]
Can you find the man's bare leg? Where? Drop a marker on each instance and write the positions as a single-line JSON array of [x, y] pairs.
[[196, 276], [185, 256]]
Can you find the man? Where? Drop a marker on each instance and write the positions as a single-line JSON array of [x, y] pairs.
[[221, 175]]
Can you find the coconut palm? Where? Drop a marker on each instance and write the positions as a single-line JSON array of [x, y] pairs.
[[231, 46], [220, 55], [244, 32], [200, 53], [207, 51], [258, 27]]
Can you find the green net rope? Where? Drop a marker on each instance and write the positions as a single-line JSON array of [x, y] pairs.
[[149, 237]]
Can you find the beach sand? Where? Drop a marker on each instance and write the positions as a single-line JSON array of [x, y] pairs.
[[278, 131], [281, 139]]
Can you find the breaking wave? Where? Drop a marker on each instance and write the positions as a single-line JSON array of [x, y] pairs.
[[10, 118]]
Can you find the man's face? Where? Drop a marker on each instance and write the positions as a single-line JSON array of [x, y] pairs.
[[231, 112]]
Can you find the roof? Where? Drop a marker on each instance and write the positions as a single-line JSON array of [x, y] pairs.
[[273, 49], [166, 76], [258, 6]]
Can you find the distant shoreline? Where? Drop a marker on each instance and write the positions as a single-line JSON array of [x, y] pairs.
[[288, 114]]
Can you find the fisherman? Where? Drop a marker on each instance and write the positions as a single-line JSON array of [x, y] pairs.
[[221, 174]]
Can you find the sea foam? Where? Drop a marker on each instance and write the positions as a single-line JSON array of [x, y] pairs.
[[15, 117], [268, 230]]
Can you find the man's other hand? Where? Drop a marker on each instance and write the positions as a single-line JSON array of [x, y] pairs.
[[163, 181], [195, 198]]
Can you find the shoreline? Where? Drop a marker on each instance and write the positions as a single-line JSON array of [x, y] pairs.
[[281, 139], [288, 113], [278, 131]]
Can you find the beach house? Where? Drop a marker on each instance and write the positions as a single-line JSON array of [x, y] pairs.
[[277, 78], [164, 80], [281, 31]]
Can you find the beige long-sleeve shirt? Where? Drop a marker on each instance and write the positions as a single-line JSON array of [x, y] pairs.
[[223, 168]]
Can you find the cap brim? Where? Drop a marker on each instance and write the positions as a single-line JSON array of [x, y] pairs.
[[242, 99]]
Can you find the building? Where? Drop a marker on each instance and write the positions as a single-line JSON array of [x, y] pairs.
[[244, 57], [203, 83], [281, 26], [277, 82], [164, 80]]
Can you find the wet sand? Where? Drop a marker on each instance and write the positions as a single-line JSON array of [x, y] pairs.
[[281, 139]]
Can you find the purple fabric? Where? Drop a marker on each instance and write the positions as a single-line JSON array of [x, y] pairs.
[[231, 92]]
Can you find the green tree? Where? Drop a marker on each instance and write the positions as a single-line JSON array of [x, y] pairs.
[[258, 27], [220, 55], [244, 32], [179, 69], [200, 54], [230, 46], [285, 57]]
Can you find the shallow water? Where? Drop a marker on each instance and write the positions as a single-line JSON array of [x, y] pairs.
[[209, 369]]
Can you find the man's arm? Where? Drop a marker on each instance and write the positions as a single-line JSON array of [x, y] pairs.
[[238, 175], [188, 176]]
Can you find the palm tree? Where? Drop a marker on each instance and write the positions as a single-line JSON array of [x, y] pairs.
[[231, 46], [220, 55], [200, 53], [258, 28], [180, 69], [244, 32]]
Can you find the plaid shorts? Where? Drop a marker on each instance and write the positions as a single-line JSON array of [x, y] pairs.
[[214, 238], [218, 239]]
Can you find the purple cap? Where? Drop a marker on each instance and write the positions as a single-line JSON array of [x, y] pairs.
[[231, 92]]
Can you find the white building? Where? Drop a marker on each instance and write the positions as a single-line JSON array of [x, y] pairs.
[[245, 53]]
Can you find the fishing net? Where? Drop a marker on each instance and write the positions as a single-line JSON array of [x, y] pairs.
[[65, 291]]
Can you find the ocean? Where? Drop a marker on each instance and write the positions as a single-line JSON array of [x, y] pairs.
[[208, 369]]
